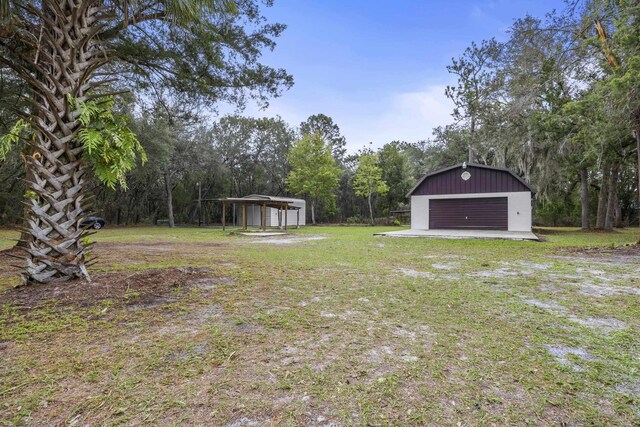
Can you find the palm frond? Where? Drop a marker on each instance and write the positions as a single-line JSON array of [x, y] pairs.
[[184, 11]]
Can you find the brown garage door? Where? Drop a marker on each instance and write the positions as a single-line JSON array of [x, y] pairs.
[[489, 213]]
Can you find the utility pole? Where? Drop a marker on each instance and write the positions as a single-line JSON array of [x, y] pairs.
[[199, 204]]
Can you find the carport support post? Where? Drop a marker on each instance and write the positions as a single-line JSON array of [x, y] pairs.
[[286, 214], [264, 217], [224, 209], [244, 217]]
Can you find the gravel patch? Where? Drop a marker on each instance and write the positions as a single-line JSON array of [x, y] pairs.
[[327, 315], [288, 241], [606, 325], [561, 353], [377, 355], [446, 265], [540, 266], [631, 388], [602, 290], [500, 273], [413, 273], [404, 333], [549, 305], [245, 422]]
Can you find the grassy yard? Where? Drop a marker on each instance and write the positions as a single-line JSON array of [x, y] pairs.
[[328, 326]]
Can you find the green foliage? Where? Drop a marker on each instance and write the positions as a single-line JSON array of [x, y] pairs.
[[330, 132], [623, 83], [12, 138], [313, 170], [394, 163], [356, 219], [368, 179], [555, 212], [478, 86], [252, 152], [108, 142], [192, 11], [215, 57]]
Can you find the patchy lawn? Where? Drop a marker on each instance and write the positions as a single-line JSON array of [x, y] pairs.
[[327, 326]]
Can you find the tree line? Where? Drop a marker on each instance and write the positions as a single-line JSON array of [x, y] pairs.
[[191, 165], [559, 103]]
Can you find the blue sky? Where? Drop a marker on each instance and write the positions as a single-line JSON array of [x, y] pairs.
[[378, 68]]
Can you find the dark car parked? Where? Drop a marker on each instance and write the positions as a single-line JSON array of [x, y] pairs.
[[94, 222]]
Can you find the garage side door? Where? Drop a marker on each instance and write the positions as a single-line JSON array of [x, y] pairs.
[[489, 213]]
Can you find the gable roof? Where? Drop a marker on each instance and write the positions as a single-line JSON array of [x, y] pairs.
[[474, 165]]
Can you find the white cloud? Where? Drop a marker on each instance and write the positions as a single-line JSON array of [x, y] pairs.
[[409, 116], [406, 116]]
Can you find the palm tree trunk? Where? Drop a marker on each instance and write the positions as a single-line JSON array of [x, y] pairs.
[[59, 67]]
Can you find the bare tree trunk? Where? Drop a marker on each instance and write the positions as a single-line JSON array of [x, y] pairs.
[[370, 208], [611, 200], [602, 197], [167, 186], [156, 214], [129, 211], [638, 153], [618, 220], [313, 212], [584, 197], [473, 134]]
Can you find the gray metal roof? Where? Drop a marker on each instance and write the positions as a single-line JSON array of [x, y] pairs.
[[269, 201], [273, 198]]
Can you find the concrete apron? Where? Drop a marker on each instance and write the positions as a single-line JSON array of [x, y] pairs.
[[463, 234]]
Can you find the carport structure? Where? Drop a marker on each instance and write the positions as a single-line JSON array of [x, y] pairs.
[[280, 203]]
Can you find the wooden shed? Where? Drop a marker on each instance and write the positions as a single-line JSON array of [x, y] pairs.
[[471, 196]]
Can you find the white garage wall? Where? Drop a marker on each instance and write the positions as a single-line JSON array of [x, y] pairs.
[[420, 212], [518, 205], [520, 211]]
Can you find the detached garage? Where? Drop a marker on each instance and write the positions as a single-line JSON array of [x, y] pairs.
[[471, 197]]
